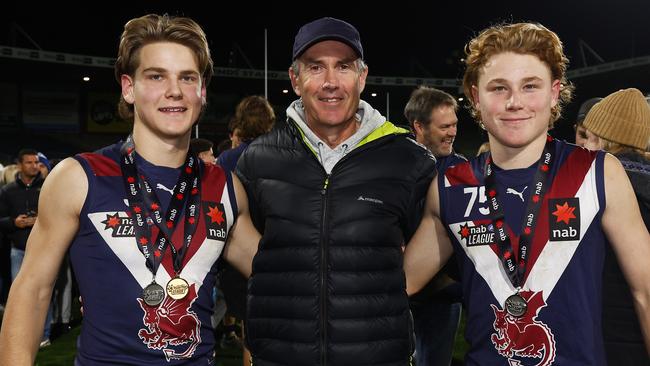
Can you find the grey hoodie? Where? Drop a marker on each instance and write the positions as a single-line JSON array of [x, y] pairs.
[[370, 119]]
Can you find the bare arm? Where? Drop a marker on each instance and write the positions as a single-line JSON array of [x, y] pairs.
[[629, 238], [430, 247], [244, 238], [60, 202]]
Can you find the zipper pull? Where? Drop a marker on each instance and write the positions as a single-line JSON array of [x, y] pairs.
[[327, 182]]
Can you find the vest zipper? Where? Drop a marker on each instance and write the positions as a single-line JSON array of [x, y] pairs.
[[324, 233], [323, 272]]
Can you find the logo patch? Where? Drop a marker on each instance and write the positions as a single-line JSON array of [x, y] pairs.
[[121, 226], [477, 235], [369, 199], [517, 193], [564, 219], [162, 187], [215, 220], [524, 336]]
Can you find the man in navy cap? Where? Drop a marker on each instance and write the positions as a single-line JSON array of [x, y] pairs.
[[333, 191]]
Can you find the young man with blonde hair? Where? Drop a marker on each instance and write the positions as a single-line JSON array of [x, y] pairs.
[[530, 219]]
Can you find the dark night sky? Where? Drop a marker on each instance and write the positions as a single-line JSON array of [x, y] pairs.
[[412, 39], [400, 39]]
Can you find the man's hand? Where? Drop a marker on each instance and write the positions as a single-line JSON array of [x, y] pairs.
[[23, 221]]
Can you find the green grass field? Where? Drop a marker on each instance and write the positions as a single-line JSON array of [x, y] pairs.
[[63, 349], [61, 352]]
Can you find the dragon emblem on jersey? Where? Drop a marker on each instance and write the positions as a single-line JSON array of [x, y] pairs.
[[171, 324], [525, 336]]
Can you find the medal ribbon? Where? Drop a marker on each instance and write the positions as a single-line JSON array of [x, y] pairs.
[[516, 269], [145, 211]]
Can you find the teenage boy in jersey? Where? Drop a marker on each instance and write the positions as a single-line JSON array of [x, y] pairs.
[[145, 221], [529, 220]]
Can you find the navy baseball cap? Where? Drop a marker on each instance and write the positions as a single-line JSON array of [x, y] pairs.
[[326, 29]]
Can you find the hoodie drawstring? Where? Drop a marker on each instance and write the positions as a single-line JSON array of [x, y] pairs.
[[320, 153]]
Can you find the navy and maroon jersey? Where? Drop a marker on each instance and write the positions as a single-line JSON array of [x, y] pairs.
[[563, 279], [118, 328]]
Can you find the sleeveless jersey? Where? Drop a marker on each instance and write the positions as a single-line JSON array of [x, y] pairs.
[[563, 278], [118, 328]]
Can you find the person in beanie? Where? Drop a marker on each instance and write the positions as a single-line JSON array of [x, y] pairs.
[[529, 221], [621, 122], [332, 190], [44, 165], [584, 137], [618, 122]]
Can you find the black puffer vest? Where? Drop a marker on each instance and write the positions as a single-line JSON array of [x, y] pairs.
[[328, 286]]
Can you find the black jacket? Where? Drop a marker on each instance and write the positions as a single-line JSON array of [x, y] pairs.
[[638, 170], [17, 198], [328, 286]]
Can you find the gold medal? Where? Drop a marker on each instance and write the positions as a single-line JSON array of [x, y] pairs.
[[177, 288]]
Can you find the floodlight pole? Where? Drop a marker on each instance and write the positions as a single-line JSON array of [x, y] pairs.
[[266, 66]]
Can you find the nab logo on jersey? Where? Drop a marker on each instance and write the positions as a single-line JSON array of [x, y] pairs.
[[215, 220], [477, 235], [121, 226], [564, 219]]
